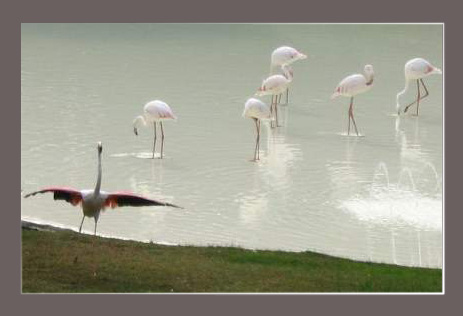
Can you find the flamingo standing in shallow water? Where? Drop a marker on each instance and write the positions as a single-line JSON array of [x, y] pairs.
[[353, 85], [285, 55], [416, 69], [153, 112], [275, 85], [257, 110], [93, 201]]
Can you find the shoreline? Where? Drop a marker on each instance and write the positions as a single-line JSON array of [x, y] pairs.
[[56, 260], [29, 225]]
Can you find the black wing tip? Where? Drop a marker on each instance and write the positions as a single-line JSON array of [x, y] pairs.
[[173, 205], [30, 194]]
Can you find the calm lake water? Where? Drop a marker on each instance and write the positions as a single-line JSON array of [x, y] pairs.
[[376, 197]]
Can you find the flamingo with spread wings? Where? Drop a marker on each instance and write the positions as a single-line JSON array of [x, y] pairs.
[[93, 201]]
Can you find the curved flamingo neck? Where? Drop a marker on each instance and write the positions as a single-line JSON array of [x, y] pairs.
[[288, 72], [401, 93], [369, 76], [98, 181]]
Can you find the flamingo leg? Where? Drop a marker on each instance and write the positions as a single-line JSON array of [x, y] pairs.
[[279, 98], [421, 98], [418, 98], [256, 150], [424, 96], [96, 223], [425, 89], [276, 113], [162, 142], [258, 141], [81, 223], [287, 95], [271, 113], [154, 144], [351, 113]]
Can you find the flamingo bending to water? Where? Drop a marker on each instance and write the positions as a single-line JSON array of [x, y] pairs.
[[153, 112], [257, 110], [416, 69], [93, 201], [353, 85], [285, 55], [275, 85]]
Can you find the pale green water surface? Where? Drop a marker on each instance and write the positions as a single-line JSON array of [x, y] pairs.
[[377, 197]]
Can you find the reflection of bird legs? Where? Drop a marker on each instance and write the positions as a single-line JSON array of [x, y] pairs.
[[351, 115], [418, 98]]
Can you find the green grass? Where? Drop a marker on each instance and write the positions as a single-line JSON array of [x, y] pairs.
[[64, 261]]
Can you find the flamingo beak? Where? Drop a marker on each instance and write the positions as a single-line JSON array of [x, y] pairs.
[[135, 131], [100, 147]]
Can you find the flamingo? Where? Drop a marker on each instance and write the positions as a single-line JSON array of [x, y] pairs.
[[153, 112], [257, 110], [416, 69], [285, 55], [275, 85], [353, 85], [93, 201]]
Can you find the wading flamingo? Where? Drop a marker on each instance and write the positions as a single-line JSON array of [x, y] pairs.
[[285, 55], [416, 69], [93, 201], [153, 112], [353, 85], [275, 85], [257, 110]]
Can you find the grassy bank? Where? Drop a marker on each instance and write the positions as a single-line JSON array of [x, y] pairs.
[[64, 261]]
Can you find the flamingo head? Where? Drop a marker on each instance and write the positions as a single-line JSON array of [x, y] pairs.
[[369, 73], [433, 70], [300, 56], [100, 147], [368, 69], [294, 56]]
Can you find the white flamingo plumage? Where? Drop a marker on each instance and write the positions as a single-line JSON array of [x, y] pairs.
[[257, 110], [275, 85], [416, 69], [154, 112], [285, 55], [353, 85], [93, 201]]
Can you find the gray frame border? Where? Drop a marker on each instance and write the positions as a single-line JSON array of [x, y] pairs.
[[215, 11]]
